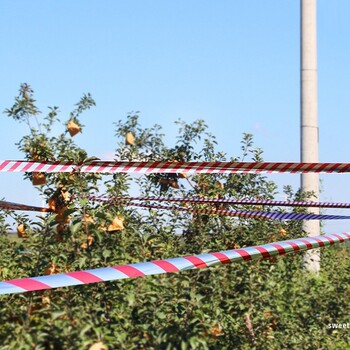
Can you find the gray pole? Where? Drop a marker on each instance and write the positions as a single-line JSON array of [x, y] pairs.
[[309, 119]]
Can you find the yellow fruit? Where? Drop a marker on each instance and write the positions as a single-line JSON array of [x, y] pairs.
[[98, 346], [268, 314], [88, 219], [45, 300], [61, 217], [90, 240], [52, 204], [163, 181], [117, 224], [21, 230], [174, 184], [65, 194], [282, 232], [73, 128], [56, 202], [216, 331], [219, 185], [50, 270], [129, 138], [38, 179]]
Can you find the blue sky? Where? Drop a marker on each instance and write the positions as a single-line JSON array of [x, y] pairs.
[[233, 63]]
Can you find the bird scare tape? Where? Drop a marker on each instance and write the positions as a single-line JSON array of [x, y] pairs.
[[242, 213], [172, 167], [16, 206], [199, 200], [169, 265], [211, 211]]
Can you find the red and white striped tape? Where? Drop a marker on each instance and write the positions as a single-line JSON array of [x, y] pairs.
[[169, 265], [173, 167]]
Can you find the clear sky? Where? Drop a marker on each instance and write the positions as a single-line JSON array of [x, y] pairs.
[[233, 63]]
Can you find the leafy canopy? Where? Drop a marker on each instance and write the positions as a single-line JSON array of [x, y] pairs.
[[267, 304]]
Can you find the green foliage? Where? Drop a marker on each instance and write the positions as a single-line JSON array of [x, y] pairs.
[[267, 304]]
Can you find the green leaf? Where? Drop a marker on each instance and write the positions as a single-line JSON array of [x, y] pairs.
[[83, 202], [106, 253], [76, 227]]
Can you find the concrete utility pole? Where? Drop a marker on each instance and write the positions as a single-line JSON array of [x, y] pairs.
[[309, 119]]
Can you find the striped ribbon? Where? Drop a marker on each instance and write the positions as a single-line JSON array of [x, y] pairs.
[[16, 206], [173, 167], [242, 213], [217, 211], [117, 199], [169, 265]]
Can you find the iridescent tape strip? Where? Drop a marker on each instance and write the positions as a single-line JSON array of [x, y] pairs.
[[169, 265], [242, 213], [217, 211], [173, 167], [117, 199]]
